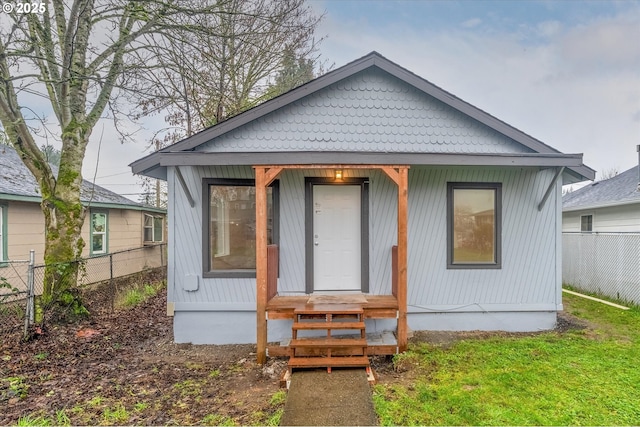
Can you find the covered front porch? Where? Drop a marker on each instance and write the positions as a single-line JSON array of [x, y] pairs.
[[271, 306]]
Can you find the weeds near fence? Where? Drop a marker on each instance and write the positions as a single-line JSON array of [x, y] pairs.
[[139, 294], [6, 290]]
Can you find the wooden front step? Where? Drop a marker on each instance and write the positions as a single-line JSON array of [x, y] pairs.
[[329, 362], [328, 347], [328, 351], [308, 326], [330, 309], [328, 342]]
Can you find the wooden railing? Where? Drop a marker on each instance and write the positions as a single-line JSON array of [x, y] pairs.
[[272, 271], [394, 270]]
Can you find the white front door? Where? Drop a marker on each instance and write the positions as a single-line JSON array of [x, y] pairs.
[[337, 238]]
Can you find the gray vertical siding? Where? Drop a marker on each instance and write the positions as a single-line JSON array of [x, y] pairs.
[[529, 273], [529, 265], [187, 230]]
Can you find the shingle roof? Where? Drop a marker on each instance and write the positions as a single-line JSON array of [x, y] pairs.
[[620, 190], [17, 180]]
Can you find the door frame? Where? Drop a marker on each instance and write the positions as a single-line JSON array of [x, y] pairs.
[[309, 182]]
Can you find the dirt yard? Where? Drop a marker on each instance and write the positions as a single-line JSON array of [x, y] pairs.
[[123, 369]]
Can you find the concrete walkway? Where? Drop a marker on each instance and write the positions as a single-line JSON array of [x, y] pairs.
[[341, 398]]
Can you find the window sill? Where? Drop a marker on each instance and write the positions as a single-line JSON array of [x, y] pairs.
[[230, 274], [474, 266]]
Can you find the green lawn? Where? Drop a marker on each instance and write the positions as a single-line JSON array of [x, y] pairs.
[[580, 377]]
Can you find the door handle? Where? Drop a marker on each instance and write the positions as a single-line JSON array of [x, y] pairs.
[[316, 243]]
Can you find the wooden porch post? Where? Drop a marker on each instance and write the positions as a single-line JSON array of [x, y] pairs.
[[261, 264], [403, 184]]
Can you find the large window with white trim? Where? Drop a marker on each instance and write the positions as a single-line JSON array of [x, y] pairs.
[[230, 226], [474, 225]]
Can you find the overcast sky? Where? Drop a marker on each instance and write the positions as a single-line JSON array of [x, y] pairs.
[[564, 72]]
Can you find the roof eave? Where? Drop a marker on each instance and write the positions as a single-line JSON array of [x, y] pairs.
[[101, 205], [577, 174], [369, 158], [601, 205]]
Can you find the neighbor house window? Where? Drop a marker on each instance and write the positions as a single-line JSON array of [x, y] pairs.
[[98, 238], [3, 233], [153, 228], [474, 225], [230, 226], [586, 223]]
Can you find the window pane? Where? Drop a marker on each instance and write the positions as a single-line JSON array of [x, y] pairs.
[[157, 229], [97, 243], [148, 234], [474, 226], [99, 222], [232, 227], [586, 223]]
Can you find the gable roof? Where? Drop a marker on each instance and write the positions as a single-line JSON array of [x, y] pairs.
[[622, 189], [155, 163], [18, 183]]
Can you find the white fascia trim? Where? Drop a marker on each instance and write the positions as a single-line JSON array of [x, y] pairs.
[[602, 205]]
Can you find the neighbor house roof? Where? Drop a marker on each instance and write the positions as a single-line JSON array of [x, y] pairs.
[[540, 154], [622, 189], [17, 183]]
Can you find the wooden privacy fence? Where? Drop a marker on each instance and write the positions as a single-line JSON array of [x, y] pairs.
[[607, 264]]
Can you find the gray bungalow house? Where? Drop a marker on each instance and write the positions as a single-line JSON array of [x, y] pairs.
[[373, 193]]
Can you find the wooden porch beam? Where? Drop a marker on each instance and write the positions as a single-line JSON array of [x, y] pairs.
[[392, 172], [403, 185], [271, 174], [333, 166], [261, 264]]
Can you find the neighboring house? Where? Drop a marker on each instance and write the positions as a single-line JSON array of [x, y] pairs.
[[112, 222], [368, 184], [611, 205], [601, 237]]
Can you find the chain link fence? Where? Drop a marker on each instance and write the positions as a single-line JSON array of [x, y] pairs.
[[607, 264], [99, 280], [14, 292]]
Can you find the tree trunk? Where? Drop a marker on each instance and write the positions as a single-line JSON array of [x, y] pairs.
[[64, 216]]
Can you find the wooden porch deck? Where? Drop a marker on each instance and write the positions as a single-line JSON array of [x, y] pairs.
[[375, 307]]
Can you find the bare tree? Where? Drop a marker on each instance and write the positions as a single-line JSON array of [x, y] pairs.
[[261, 49], [609, 173], [80, 57], [204, 80]]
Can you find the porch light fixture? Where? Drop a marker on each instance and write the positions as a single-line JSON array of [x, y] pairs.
[[338, 174]]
